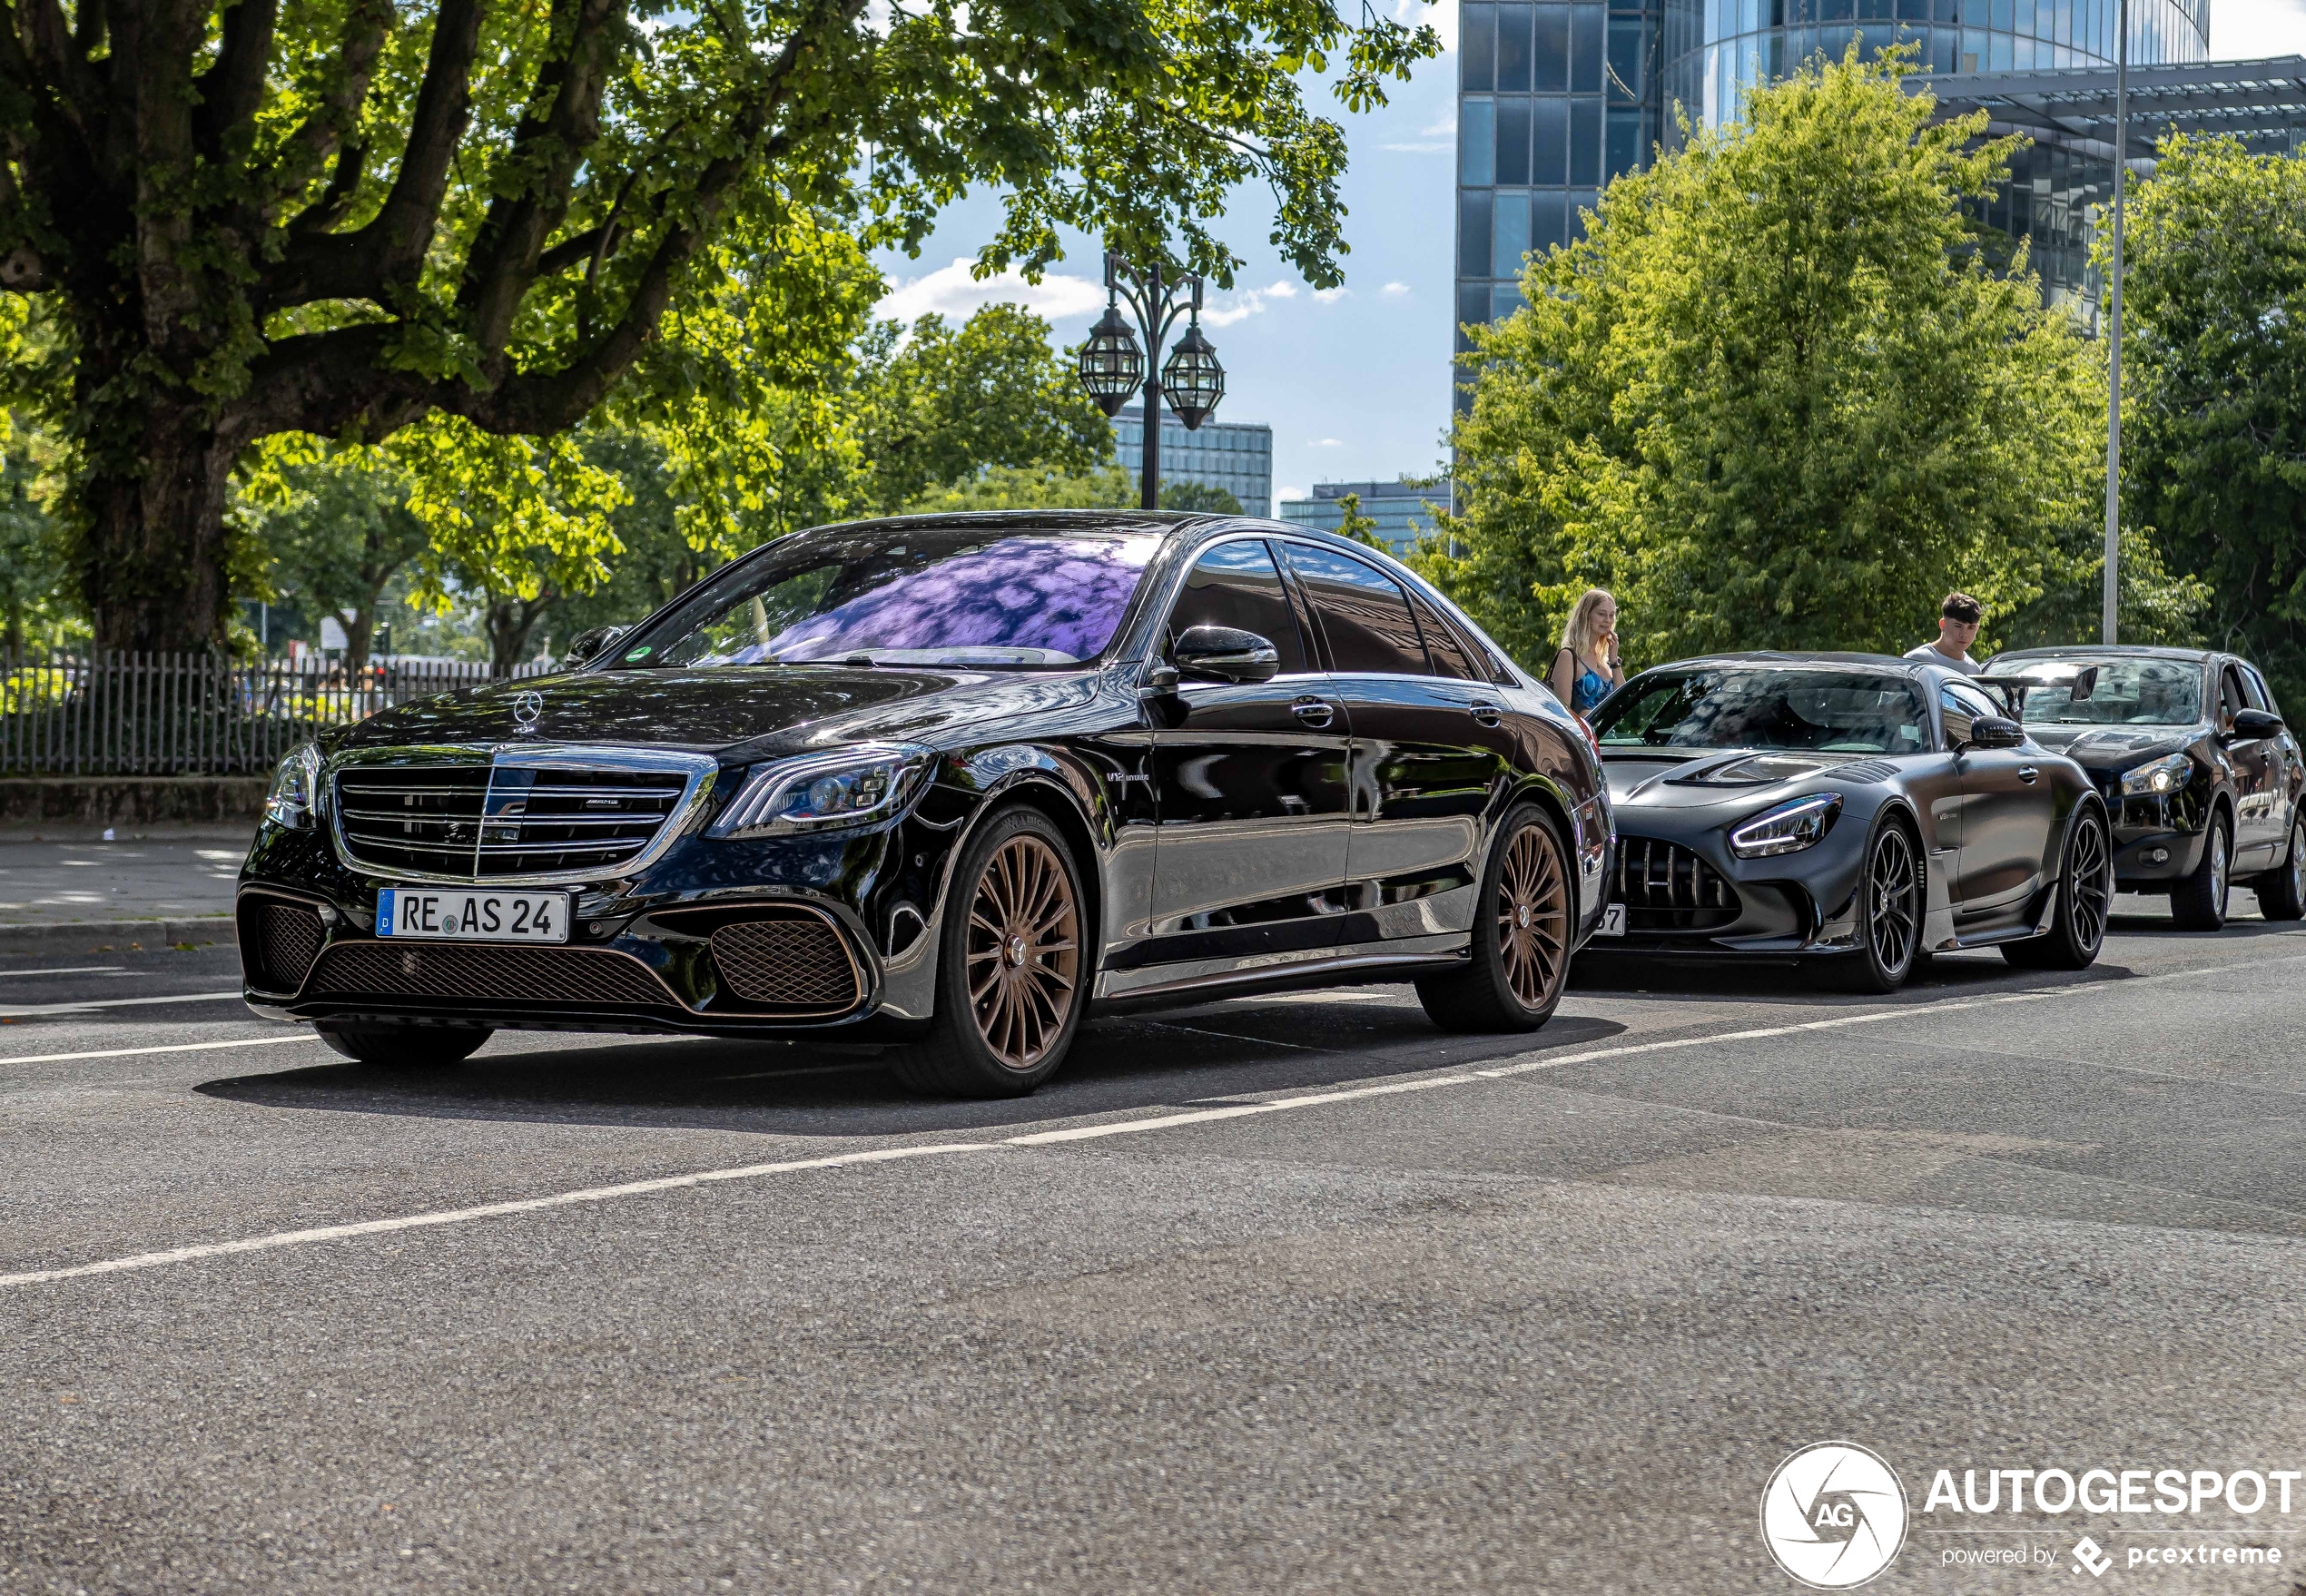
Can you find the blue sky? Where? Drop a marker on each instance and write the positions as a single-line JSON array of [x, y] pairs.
[[1355, 382]]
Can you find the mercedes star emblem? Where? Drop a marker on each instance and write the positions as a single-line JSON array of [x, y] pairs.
[[526, 707]]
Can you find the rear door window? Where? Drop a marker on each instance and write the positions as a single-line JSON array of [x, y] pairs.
[[1363, 613], [1444, 651]]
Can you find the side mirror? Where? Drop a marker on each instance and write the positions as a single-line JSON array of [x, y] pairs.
[[1993, 731], [1223, 654], [2251, 723], [591, 644]]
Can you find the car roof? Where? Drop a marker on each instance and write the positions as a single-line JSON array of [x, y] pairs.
[[1889, 664], [2111, 651]]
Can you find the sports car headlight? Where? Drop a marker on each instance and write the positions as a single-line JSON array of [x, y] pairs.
[[294, 788], [1787, 829], [853, 787], [2166, 774]]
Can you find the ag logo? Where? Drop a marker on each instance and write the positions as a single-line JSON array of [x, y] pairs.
[[526, 707], [1833, 1515]]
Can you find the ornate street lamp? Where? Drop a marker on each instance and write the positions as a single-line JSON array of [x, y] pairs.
[[1112, 363]]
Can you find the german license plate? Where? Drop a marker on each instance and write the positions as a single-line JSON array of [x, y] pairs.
[[1612, 922], [458, 914]]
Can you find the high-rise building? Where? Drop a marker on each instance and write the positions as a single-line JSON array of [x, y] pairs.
[[1399, 508], [1236, 456]]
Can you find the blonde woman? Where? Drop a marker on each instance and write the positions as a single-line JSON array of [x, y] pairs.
[[1586, 670]]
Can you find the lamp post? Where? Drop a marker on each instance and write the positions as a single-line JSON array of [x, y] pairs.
[[2114, 325], [1112, 363]]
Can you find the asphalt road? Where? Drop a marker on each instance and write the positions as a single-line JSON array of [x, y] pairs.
[[1272, 1295]]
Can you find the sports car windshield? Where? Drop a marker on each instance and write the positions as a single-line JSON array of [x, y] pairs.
[[2109, 691], [924, 596], [1824, 712]]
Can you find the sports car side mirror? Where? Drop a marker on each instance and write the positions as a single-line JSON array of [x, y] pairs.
[[590, 643], [1223, 654], [1993, 731], [2256, 723]]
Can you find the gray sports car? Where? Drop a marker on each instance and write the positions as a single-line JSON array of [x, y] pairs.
[[1866, 810]]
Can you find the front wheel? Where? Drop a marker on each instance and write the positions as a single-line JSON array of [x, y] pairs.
[[1889, 913], [390, 1045], [2282, 890], [2199, 903], [2085, 897], [1521, 951]]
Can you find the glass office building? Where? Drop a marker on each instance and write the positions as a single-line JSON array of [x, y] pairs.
[[1236, 456], [1400, 509]]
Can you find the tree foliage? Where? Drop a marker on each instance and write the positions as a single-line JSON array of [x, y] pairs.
[[1774, 400], [2214, 388]]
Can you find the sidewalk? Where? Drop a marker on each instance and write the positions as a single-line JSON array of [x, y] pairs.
[[67, 897]]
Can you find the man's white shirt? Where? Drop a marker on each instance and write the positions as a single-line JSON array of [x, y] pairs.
[[1930, 651]]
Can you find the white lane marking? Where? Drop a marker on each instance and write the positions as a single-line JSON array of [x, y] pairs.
[[597, 1194], [1232, 1035], [22, 1012], [253, 1042], [1073, 1133], [75, 970]]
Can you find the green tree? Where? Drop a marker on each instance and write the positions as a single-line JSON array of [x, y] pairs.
[[1774, 400], [336, 529], [1353, 523], [1204, 496], [342, 218], [1036, 488], [2214, 449]]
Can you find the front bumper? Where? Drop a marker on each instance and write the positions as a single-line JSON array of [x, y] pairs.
[[1794, 904], [2158, 840]]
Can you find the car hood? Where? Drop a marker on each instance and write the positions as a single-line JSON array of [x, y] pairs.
[[739, 712], [2113, 748], [1744, 779]]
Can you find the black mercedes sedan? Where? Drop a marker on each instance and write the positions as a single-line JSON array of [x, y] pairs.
[[1865, 810], [948, 783], [2200, 772]]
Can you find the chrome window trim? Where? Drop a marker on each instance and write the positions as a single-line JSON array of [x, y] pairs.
[[699, 769]]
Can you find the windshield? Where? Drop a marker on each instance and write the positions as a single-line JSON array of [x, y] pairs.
[[910, 596], [1825, 711], [2109, 691]]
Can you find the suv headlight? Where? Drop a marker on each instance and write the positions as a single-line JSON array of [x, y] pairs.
[[1787, 829], [851, 787], [296, 787], [2169, 774]]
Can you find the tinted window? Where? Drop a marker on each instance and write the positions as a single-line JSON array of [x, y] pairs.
[[1235, 585], [2113, 692], [1443, 647], [1960, 705], [2230, 696], [2262, 696], [1363, 611], [1833, 711]]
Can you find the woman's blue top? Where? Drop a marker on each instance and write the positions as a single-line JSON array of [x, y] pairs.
[[1591, 687]]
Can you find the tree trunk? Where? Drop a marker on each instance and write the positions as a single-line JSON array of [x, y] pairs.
[[152, 564], [511, 622], [359, 632]]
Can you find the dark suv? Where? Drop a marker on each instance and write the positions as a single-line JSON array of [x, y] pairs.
[[2201, 774]]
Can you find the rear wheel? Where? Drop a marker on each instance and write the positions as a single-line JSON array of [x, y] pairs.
[[1010, 967], [391, 1046], [2085, 897], [2199, 903], [2282, 890], [1521, 951], [1889, 913]]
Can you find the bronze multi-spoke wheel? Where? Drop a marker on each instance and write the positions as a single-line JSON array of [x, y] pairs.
[[2086, 899], [1890, 901], [1520, 957], [1011, 967]]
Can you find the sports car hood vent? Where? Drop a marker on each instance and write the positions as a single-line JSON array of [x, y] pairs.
[[1734, 773]]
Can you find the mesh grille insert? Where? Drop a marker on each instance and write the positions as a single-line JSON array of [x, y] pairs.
[[279, 942], [525, 977], [791, 961], [1666, 887]]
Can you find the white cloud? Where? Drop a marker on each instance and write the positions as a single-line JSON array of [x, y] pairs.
[[1419, 149], [1327, 443], [1330, 296], [1442, 14], [1438, 138], [1246, 302], [1444, 127], [1281, 493], [2248, 32], [1395, 290], [952, 291]]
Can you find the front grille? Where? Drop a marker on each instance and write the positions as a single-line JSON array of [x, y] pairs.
[[1667, 888], [277, 942], [793, 961], [480, 820], [530, 978]]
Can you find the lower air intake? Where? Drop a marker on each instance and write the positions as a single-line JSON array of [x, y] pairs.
[[278, 942], [1667, 888], [525, 977], [791, 961]]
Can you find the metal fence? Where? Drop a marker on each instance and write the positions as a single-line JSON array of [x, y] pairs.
[[156, 714]]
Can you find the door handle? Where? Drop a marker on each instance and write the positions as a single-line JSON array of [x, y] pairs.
[[2028, 774], [1312, 712], [1489, 715]]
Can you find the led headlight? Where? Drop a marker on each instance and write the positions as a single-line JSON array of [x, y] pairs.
[[851, 787], [295, 788], [2166, 774], [1787, 829]]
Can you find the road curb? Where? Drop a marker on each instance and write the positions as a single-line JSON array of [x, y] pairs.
[[88, 936]]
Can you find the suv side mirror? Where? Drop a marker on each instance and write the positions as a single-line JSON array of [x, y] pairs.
[[1223, 654], [1993, 730], [591, 644], [2256, 723]]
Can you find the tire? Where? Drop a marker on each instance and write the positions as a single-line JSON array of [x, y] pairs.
[[388, 1045], [2085, 900], [2199, 903], [1892, 896], [1520, 953], [1011, 975], [2282, 890]]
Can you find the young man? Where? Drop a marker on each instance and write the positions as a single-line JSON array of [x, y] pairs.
[[1957, 623]]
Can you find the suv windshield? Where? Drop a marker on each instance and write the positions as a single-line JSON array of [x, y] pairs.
[[1825, 711], [925, 595], [2084, 692]]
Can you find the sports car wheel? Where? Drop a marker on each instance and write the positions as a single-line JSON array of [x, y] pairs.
[[1010, 986], [2085, 897], [2199, 903], [1889, 912], [406, 1047], [2282, 890], [1521, 951]]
